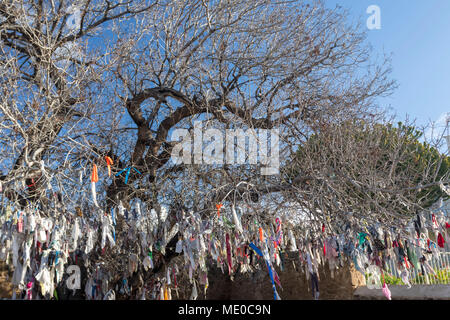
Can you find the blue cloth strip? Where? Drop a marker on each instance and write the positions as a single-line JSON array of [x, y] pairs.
[[258, 251], [128, 173]]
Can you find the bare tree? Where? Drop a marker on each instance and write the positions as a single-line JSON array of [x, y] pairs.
[[97, 79]]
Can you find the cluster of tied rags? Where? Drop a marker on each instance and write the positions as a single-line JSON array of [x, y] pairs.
[[42, 247]]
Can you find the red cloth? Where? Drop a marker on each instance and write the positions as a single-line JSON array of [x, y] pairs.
[[218, 206], [441, 240]]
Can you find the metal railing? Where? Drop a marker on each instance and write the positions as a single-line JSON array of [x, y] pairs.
[[441, 267]]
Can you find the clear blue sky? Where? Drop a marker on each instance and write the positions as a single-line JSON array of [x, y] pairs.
[[417, 33]]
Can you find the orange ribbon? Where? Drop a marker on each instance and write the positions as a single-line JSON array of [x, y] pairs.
[[218, 206], [109, 162], [261, 234], [94, 177], [166, 295]]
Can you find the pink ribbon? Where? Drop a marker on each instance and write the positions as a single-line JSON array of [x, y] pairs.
[[20, 224], [386, 292], [29, 286]]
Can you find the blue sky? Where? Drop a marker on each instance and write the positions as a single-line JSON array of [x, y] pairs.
[[417, 33]]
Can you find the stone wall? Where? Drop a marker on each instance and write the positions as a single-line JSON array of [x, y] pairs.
[[5, 282], [416, 292], [257, 285]]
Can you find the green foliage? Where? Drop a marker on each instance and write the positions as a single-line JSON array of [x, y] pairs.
[[442, 276], [392, 280], [393, 153], [421, 158]]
